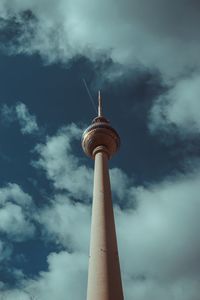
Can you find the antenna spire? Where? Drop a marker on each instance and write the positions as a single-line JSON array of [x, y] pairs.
[[100, 114]]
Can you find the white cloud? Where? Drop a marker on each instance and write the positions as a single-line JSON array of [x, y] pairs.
[[16, 208], [14, 223], [180, 107], [163, 244], [66, 223], [16, 294], [121, 187], [158, 241], [67, 172], [20, 113], [26, 120], [12, 192], [66, 278], [62, 166], [7, 113], [161, 35]]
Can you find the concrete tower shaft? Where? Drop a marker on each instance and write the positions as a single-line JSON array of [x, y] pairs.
[[100, 142]]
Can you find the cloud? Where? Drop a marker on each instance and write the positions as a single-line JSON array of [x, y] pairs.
[[16, 208], [161, 35], [26, 120], [67, 172], [5, 251], [179, 109], [20, 113], [121, 187], [159, 255], [158, 239], [7, 113], [159, 244], [16, 294], [158, 236], [66, 223], [66, 277], [166, 223], [62, 167]]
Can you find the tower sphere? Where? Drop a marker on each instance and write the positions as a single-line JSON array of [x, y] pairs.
[[100, 134]]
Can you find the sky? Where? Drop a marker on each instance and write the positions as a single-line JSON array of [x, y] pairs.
[[144, 56]]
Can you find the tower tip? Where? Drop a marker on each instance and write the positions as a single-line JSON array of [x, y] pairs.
[[99, 104]]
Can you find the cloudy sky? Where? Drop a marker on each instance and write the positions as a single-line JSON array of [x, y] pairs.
[[144, 56]]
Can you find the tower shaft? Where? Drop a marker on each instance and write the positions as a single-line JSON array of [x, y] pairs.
[[104, 278]]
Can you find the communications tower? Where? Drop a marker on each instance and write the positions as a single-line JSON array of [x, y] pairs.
[[100, 141]]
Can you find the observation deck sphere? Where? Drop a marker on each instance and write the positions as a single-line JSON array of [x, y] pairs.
[[100, 133]]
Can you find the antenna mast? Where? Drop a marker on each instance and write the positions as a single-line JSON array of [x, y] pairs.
[[100, 114]]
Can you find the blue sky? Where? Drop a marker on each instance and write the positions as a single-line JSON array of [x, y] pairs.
[[145, 60]]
